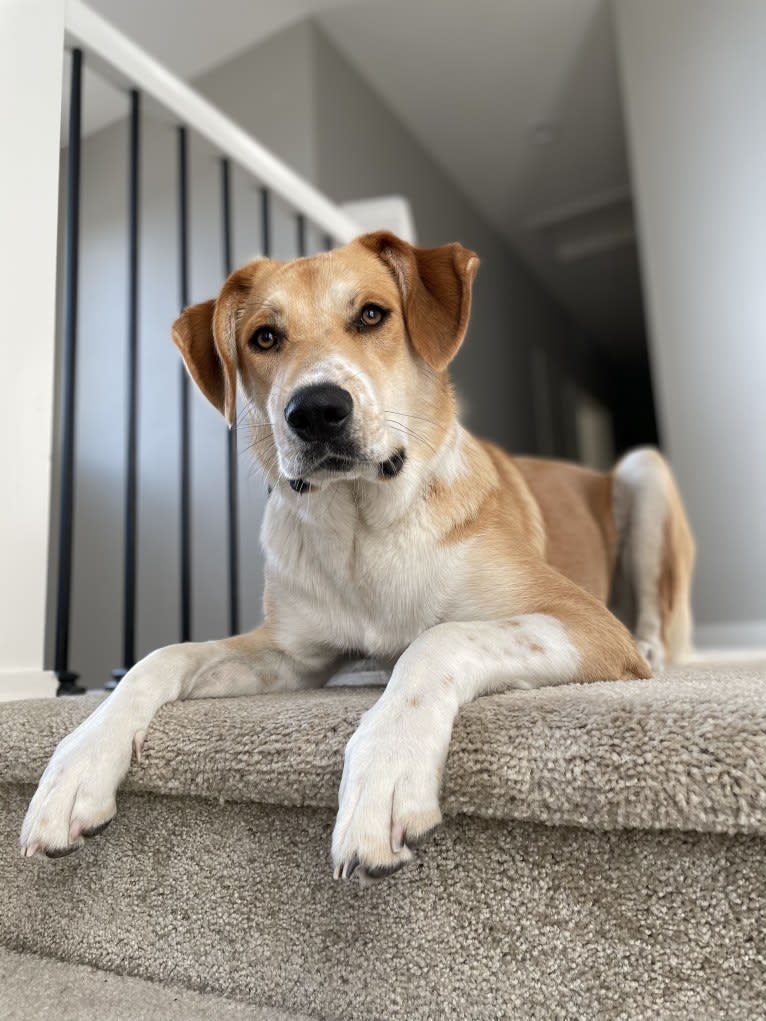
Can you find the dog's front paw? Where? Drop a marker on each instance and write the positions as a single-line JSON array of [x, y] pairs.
[[76, 794], [389, 796]]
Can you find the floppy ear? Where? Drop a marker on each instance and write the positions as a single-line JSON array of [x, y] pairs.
[[206, 336], [435, 285]]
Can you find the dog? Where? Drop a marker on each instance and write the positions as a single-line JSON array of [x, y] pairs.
[[391, 533]]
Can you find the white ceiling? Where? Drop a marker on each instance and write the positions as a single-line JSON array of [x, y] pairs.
[[518, 100], [192, 36]]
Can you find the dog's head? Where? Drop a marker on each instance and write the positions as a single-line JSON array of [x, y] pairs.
[[342, 355]]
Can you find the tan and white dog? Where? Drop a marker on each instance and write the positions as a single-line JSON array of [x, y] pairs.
[[391, 533]]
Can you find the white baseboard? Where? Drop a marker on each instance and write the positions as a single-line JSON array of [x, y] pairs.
[[740, 634], [16, 684]]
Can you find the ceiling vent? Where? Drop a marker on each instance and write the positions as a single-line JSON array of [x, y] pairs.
[[591, 226]]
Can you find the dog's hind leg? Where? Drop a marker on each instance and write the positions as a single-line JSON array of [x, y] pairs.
[[651, 592]]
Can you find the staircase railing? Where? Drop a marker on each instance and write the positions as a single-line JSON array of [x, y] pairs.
[[93, 41]]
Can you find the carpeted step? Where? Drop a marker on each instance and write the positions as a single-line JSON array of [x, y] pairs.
[[36, 988], [602, 856]]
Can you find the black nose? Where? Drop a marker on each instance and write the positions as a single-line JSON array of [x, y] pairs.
[[320, 412]]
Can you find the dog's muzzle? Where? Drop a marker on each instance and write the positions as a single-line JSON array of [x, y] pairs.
[[321, 416]]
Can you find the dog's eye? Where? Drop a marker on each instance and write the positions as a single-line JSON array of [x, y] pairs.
[[264, 339], [372, 315]]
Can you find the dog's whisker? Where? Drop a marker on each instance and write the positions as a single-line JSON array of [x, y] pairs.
[[409, 431], [407, 414]]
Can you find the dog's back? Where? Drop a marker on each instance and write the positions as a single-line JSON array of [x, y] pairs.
[[576, 505]]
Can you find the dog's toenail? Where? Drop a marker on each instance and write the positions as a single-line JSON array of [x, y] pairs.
[[138, 744], [397, 838]]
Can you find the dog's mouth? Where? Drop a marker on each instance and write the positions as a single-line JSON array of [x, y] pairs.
[[341, 463]]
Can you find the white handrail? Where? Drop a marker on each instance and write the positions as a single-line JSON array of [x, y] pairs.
[[136, 69]]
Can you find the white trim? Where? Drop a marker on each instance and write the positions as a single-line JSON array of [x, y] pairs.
[[31, 58], [387, 212], [742, 634], [580, 208], [19, 684], [122, 60], [595, 243]]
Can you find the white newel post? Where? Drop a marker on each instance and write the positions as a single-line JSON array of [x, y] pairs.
[[31, 57]]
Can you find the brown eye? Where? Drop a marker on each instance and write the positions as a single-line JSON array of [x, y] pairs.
[[372, 315], [264, 339]]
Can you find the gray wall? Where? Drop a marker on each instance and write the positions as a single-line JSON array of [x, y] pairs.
[[692, 71], [300, 98], [363, 150], [269, 90]]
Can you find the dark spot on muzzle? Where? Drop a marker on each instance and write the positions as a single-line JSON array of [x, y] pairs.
[[390, 469]]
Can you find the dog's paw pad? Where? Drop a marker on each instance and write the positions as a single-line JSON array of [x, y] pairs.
[[416, 840], [93, 831], [382, 871], [62, 852]]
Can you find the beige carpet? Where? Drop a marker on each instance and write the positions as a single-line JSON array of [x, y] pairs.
[[602, 857], [685, 751], [36, 988]]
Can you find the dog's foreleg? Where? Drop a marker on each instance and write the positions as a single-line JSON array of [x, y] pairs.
[[389, 794], [76, 794]]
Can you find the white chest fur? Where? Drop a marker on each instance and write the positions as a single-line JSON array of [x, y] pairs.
[[342, 575]]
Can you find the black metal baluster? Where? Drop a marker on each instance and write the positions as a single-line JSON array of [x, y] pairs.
[[231, 444], [185, 496], [300, 234], [68, 679], [328, 242], [131, 457], [265, 222]]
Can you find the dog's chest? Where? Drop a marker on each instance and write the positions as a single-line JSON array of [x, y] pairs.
[[371, 590]]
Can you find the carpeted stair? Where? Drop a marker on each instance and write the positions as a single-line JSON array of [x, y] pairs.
[[34, 987], [603, 856]]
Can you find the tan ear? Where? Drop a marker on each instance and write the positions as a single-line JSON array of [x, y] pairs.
[[206, 336], [435, 284]]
